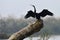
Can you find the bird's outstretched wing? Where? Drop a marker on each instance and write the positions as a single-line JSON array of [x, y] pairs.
[[45, 12], [30, 14]]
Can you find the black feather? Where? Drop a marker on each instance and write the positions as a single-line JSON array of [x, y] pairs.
[[43, 13]]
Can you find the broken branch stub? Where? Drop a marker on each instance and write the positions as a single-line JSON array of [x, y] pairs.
[[27, 31]]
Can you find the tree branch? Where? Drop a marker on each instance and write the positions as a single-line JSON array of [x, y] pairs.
[[27, 31]]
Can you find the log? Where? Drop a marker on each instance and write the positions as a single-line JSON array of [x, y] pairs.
[[27, 31]]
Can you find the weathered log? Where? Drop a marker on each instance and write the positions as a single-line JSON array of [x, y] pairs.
[[27, 31]]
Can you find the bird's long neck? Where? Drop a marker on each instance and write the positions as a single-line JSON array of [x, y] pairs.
[[34, 9]]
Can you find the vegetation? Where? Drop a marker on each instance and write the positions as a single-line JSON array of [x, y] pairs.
[[10, 25]]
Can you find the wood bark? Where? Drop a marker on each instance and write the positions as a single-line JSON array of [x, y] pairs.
[[27, 31]]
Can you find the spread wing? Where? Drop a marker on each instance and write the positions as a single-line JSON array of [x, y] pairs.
[[45, 12], [29, 14]]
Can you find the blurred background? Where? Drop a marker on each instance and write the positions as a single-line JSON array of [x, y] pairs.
[[12, 14]]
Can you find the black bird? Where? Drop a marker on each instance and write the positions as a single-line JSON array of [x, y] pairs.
[[43, 13]]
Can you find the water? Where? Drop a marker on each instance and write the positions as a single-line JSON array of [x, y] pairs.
[[57, 37]]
